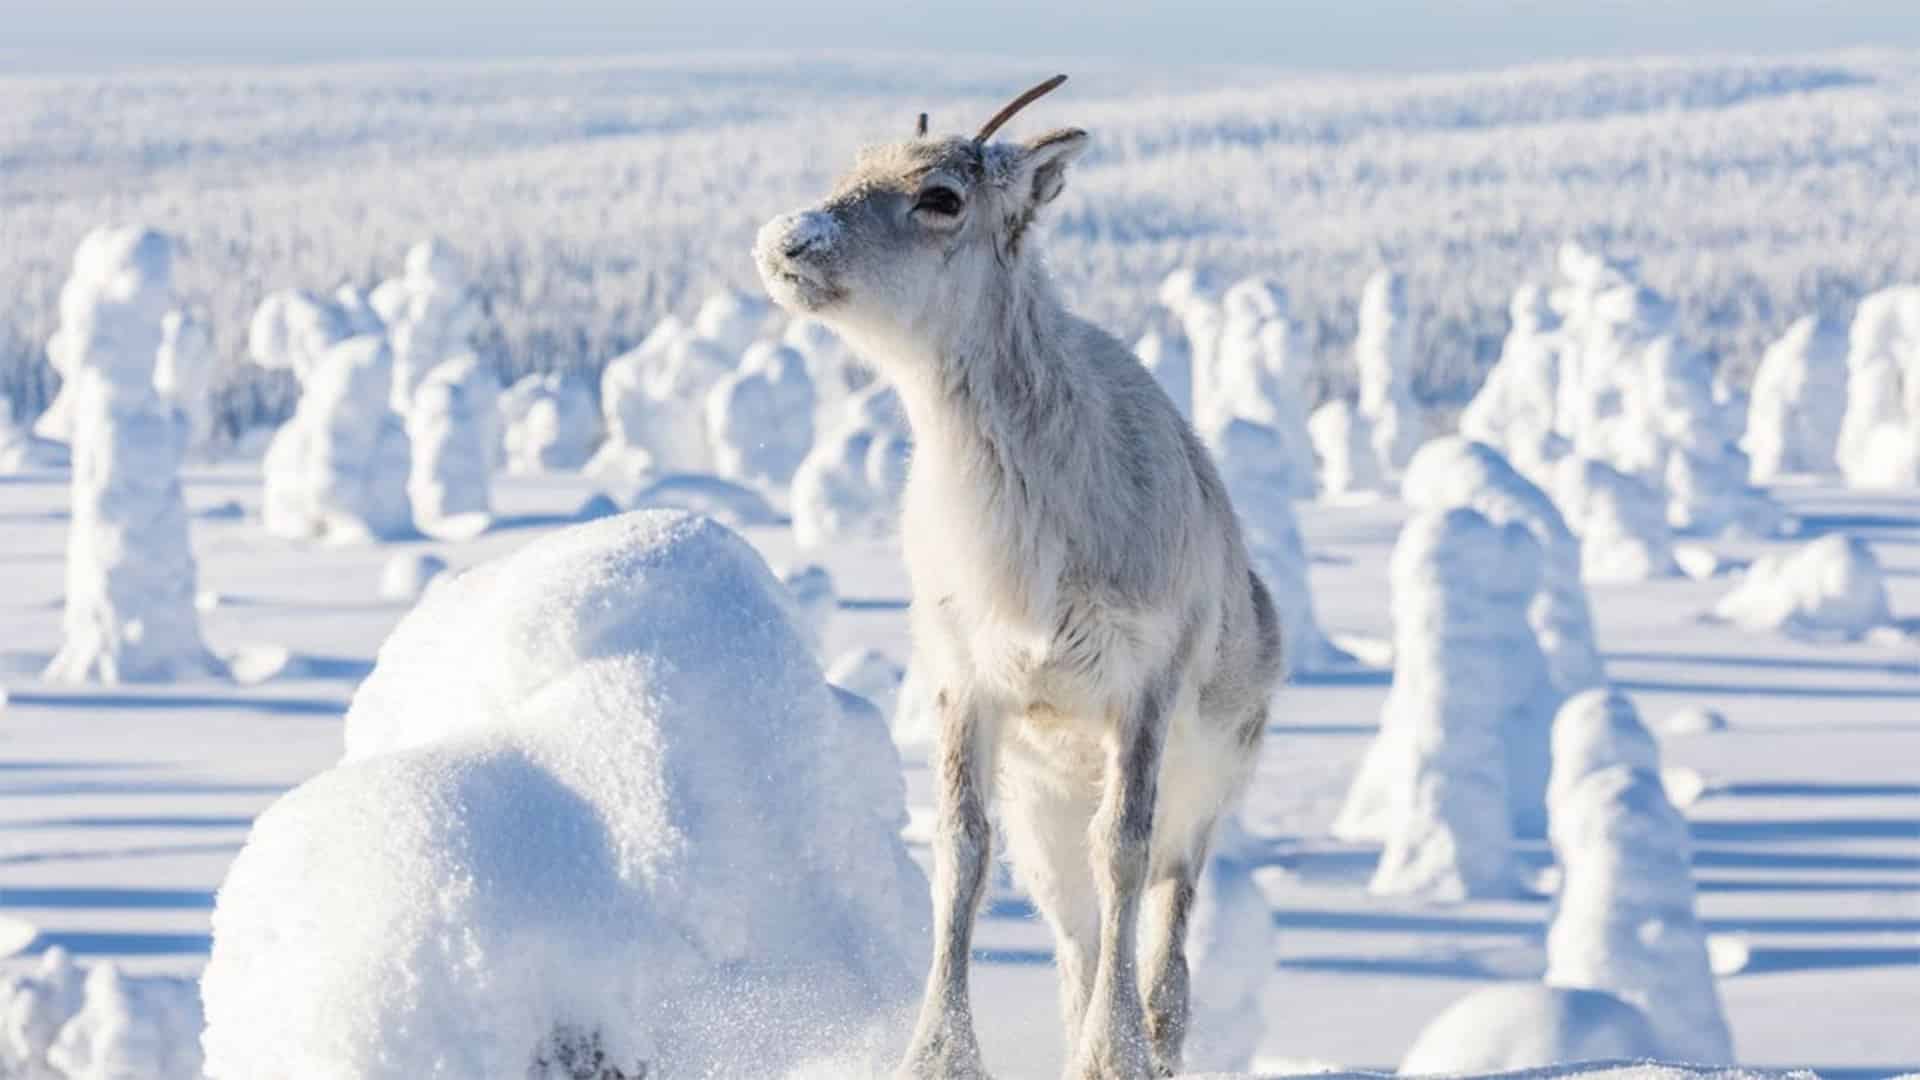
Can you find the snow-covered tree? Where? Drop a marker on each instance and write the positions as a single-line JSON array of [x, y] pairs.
[[1624, 918], [1798, 402], [1879, 442], [849, 486], [1253, 369], [1383, 359], [1253, 464], [1434, 784], [760, 418], [1342, 440], [339, 468], [453, 431], [1620, 521], [549, 423], [431, 315], [130, 571]]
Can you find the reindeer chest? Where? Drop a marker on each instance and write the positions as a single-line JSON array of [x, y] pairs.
[[998, 608]]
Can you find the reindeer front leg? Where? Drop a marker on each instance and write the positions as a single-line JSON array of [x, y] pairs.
[[944, 1045], [1113, 1041]]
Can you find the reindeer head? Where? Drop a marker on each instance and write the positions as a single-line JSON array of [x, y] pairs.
[[920, 232]]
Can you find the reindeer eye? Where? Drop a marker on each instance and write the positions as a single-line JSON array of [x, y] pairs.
[[940, 201]]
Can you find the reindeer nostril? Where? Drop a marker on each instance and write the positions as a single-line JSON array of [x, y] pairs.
[[797, 246]]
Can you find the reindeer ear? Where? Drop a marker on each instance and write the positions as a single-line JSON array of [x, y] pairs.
[[1043, 162]]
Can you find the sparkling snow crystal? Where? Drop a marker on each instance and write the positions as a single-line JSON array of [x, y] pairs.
[[597, 799]]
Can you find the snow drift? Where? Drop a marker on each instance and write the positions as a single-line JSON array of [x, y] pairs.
[[1833, 585], [597, 799]]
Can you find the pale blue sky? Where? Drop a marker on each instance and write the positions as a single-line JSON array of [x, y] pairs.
[[1357, 34]]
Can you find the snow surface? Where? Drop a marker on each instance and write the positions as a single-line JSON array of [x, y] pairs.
[[121, 810], [608, 765]]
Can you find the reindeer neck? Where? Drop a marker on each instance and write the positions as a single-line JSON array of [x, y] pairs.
[[1000, 390]]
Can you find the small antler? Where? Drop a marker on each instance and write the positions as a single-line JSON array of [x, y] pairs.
[[1016, 105], [921, 128]]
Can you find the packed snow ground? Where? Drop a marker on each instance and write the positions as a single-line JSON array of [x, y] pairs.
[[122, 808]]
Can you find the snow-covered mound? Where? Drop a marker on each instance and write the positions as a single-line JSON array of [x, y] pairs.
[[1467, 671], [848, 488], [596, 795], [761, 418], [60, 1022], [1833, 585], [1253, 464], [431, 315], [1528, 1026], [130, 580], [339, 468], [1798, 401], [1620, 521], [1383, 360], [1230, 955], [549, 423], [1454, 471], [1624, 918], [453, 432], [1879, 443]]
